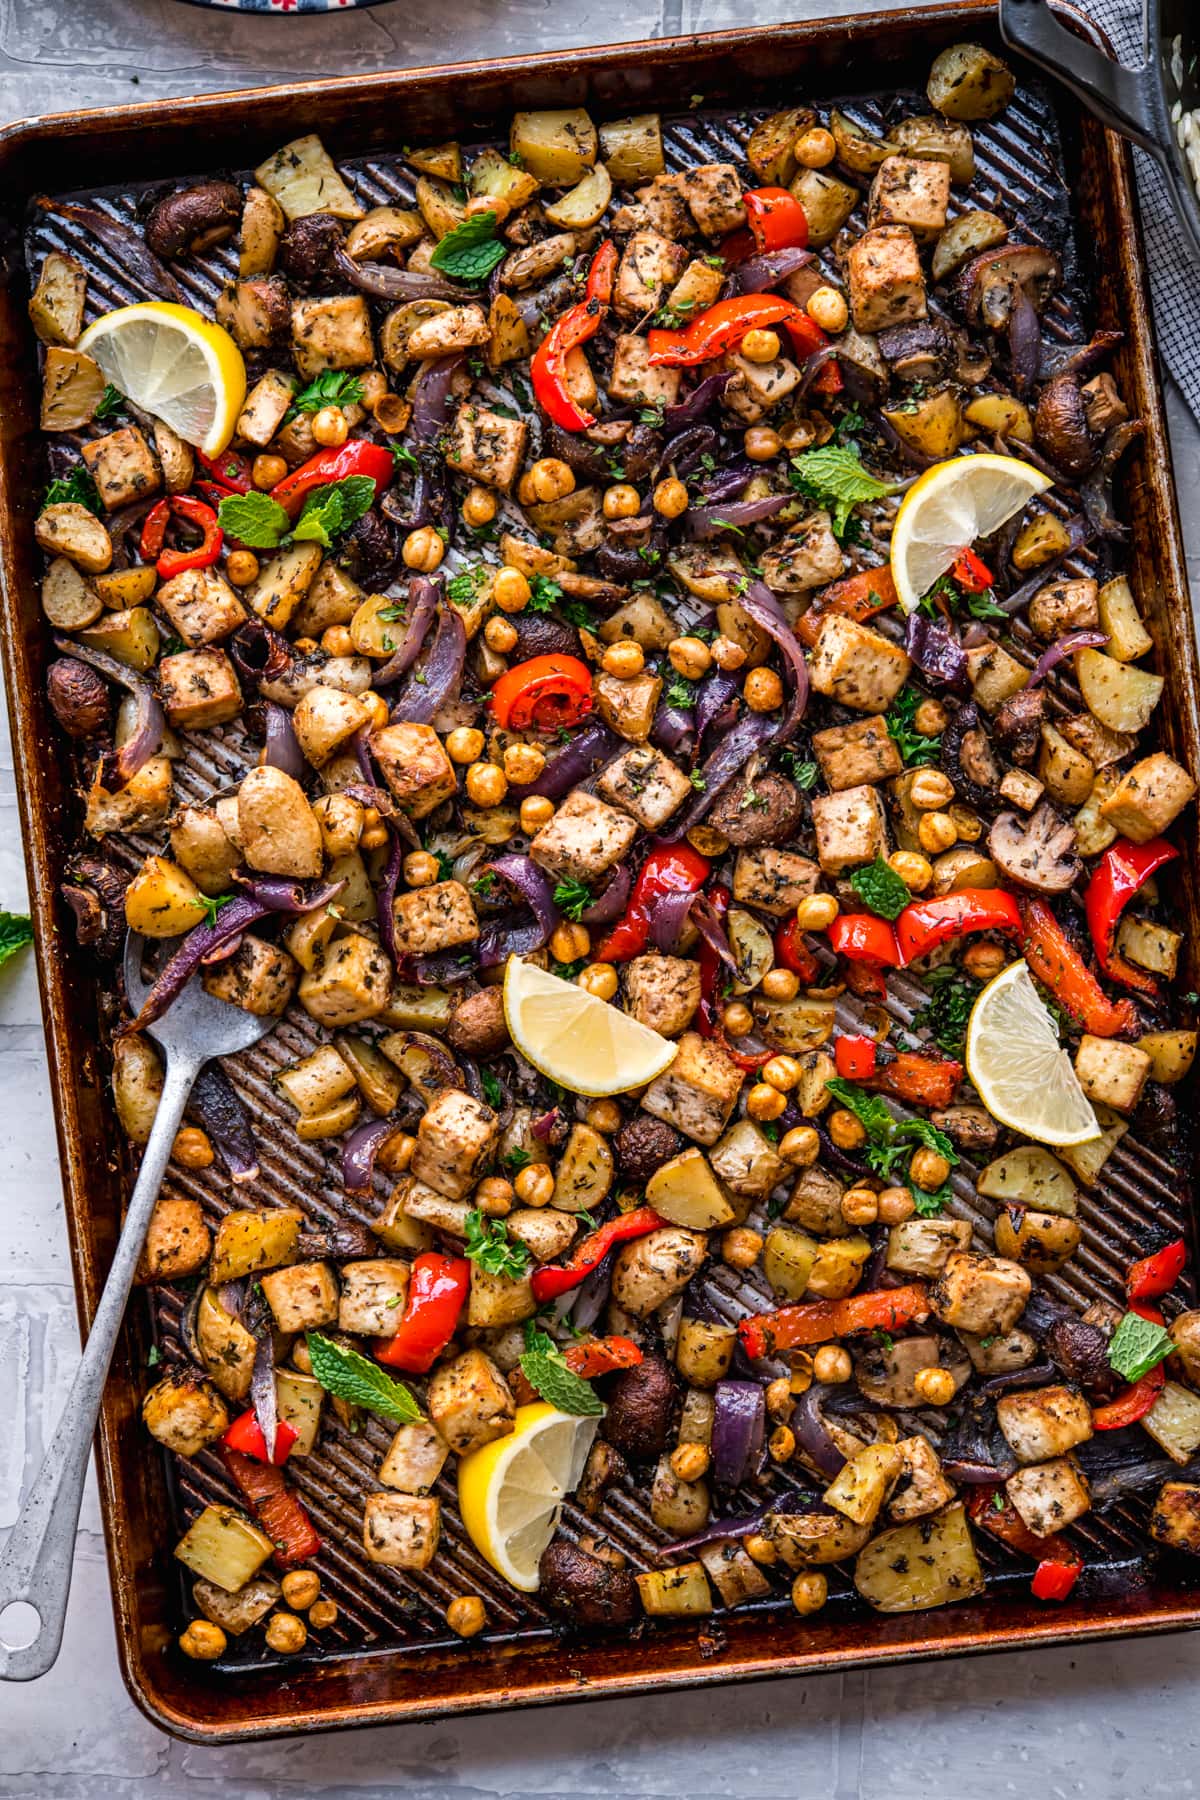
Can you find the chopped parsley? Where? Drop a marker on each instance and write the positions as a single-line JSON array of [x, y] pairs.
[[680, 692], [493, 1093], [952, 995], [802, 770], [464, 588], [697, 780], [572, 898], [212, 905], [890, 1140], [544, 594], [577, 613], [112, 400], [489, 1245], [74, 489], [915, 748], [332, 387]]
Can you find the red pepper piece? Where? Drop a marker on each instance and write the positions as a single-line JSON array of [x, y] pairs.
[[1054, 1580], [857, 597], [807, 337], [971, 573], [920, 1080], [1056, 963], [820, 1321], [1153, 1275], [1122, 871], [230, 470], [672, 869], [793, 952], [926, 923], [854, 1058], [355, 457], [278, 1510], [573, 328], [1059, 1564], [246, 1435], [866, 981], [154, 530], [776, 218], [601, 1356], [1131, 1405], [553, 1279], [862, 937], [206, 552], [719, 328], [547, 693], [437, 1293]]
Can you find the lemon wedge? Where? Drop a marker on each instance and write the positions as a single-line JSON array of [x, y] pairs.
[[948, 508], [511, 1491], [573, 1038], [1020, 1070], [175, 364]]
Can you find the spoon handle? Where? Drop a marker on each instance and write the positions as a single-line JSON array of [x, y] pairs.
[[35, 1566]]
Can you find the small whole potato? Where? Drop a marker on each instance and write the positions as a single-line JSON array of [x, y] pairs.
[[278, 828], [656, 1267]]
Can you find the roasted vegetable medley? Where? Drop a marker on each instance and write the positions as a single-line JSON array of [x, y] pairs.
[[657, 621]]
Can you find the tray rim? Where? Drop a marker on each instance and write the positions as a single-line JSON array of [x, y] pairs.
[[1076, 1624]]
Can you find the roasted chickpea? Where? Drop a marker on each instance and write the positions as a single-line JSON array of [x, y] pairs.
[[689, 1462], [983, 959], [373, 838], [815, 149], [781, 1445], [832, 1364], [534, 1185], [267, 471], [760, 1549], [780, 1398], [286, 1633], [598, 979], [624, 659], [783, 1072], [816, 913], [737, 1019], [936, 1386], [827, 308], [548, 479], [936, 832], [689, 657], [396, 1153], [914, 870], [895, 1205], [300, 1588], [810, 1590], [202, 1641], [728, 654], [479, 506], [847, 1132], [494, 1196], [466, 1616], [485, 784], [510, 590], [536, 811], [423, 550], [305, 646], [968, 824], [500, 634], [421, 869], [323, 1613], [707, 841], [241, 568], [569, 942], [780, 984], [337, 640], [670, 498], [464, 744], [761, 443], [603, 1115], [860, 1206], [741, 1247], [764, 1101], [523, 762], [762, 690], [191, 1149], [759, 346], [931, 718], [330, 427], [928, 1169], [374, 387], [800, 1146], [621, 501], [801, 1376], [930, 790]]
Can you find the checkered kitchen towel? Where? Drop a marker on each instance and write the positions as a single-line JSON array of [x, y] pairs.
[[1172, 277]]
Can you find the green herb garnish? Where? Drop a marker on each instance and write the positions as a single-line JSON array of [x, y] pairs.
[[75, 489], [545, 1368], [888, 1139], [489, 1245], [16, 930], [572, 898], [834, 476], [112, 400], [332, 387], [680, 692], [351, 1377], [915, 748], [471, 251], [880, 889], [253, 519], [952, 995], [1137, 1346], [328, 511], [493, 1093]]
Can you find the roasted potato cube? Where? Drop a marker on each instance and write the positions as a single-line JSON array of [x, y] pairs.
[[807, 556], [123, 467], [827, 203], [924, 1246], [199, 688], [1043, 1422], [632, 148], [645, 783], [545, 1231], [486, 446], [1174, 1422], [678, 1507], [143, 803], [838, 1268], [282, 583], [969, 82], [458, 328], [415, 1458], [1067, 605], [1111, 1072], [201, 606], [302, 179], [349, 983], [495, 1301], [924, 1489], [177, 1241], [628, 706], [771, 150], [913, 1567], [1041, 1241], [685, 1191], [662, 992], [806, 1540], [227, 1349], [223, 1547], [470, 1402], [435, 918], [70, 530], [262, 228], [1150, 797], [857, 755], [585, 1171], [415, 766], [401, 1530], [555, 146], [911, 191], [57, 303], [699, 1090], [303, 1297], [248, 1242], [184, 1412], [584, 839], [455, 1137], [1049, 1495], [331, 334], [745, 1161], [373, 1296], [994, 675], [981, 1293], [774, 880], [856, 666], [756, 389], [887, 286], [851, 828], [259, 977], [679, 1592], [654, 1268], [266, 407], [1175, 1520], [72, 389], [864, 1483], [703, 1354]]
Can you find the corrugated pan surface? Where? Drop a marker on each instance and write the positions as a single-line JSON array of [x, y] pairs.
[[390, 1653]]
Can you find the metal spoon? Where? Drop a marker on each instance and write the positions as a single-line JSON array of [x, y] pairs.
[[35, 1566]]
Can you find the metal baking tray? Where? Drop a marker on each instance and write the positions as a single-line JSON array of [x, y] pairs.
[[390, 1657]]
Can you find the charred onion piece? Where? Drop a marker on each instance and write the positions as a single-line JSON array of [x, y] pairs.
[[137, 264]]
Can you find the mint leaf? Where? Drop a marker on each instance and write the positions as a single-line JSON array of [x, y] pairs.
[[331, 510], [880, 889], [75, 489], [545, 1368], [351, 1377], [1137, 1346], [489, 1245], [471, 251], [834, 476], [332, 387], [253, 519], [16, 930], [889, 1140]]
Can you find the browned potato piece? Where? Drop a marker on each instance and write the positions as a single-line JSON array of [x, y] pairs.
[[278, 828], [56, 309], [177, 1242]]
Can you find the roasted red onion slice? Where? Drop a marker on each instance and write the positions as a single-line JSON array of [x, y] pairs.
[[760, 273], [753, 732], [429, 687], [703, 396], [136, 263], [673, 729], [716, 701], [263, 1397], [218, 1106], [359, 1150], [738, 1525], [765, 610], [380, 282], [936, 650], [711, 930], [739, 1427], [611, 902], [533, 885], [385, 899], [588, 749], [704, 523], [418, 617], [668, 916], [813, 365], [280, 748], [812, 1435], [431, 402], [1061, 648]]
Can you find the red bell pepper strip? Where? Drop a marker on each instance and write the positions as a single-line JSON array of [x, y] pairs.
[[919, 1080], [1132, 1404], [1053, 1580], [547, 693], [1153, 1275], [355, 457], [1056, 963], [246, 1435], [971, 573], [807, 338], [573, 328], [776, 218], [154, 530], [1059, 1564], [672, 869], [719, 328], [794, 954], [926, 923], [866, 981], [854, 1058], [1122, 871], [863, 937], [858, 597], [231, 470], [601, 1356], [278, 1510], [553, 1279], [196, 512], [437, 1293], [819, 1322]]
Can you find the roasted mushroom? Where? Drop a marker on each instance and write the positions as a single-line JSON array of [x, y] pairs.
[[640, 1403], [78, 696], [1038, 852], [586, 1589], [477, 1023], [540, 635], [194, 219], [642, 1145], [308, 251], [968, 760], [1060, 427], [885, 1368], [762, 809], [1081, 1352], [95, 892], [990, 284], [1018, 724], [972, 1128], [917, 352]]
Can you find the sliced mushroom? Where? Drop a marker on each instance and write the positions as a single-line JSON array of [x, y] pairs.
[[193, 219], [990, 283], [1018, 724], [308, 251], [1038, 852], [95, 892], [917, 352], [885, 1370], [78, 696], [1060, 427], [967, 758]]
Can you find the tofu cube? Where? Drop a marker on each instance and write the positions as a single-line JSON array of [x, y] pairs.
[[351, 982], [401, 1530], [628, 706], [331, 334], [698, 1092], [662, 992], [414, 1200], [714, 194], [435, 918], [260, 977], [455, 1137], [470, 1402], [807, 556], [924, 1489], [415, 1458], [887, 286], [925, 1246], [912, 191], [851, 828], [1150, 946], [1039, 1423], [857, 755], [178, 1241], [650, 265], [373, 1297], [184, 1412], [486, 446], [645, 783], [123, 467], [746, 1161], [1111, 1072], [1049, 1495], [266, 408], [635, 380], [495, 1300], [1021, 789], [1150, 796], [585, 838], [1176, 1516], [775, 880], [758, 387], [201, 606], [199, 688], [302, 1298], [415, 766], [662, 203], [854, 665], [983, 1294]]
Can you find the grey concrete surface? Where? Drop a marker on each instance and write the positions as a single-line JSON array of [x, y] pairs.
[[1107, 1723]]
